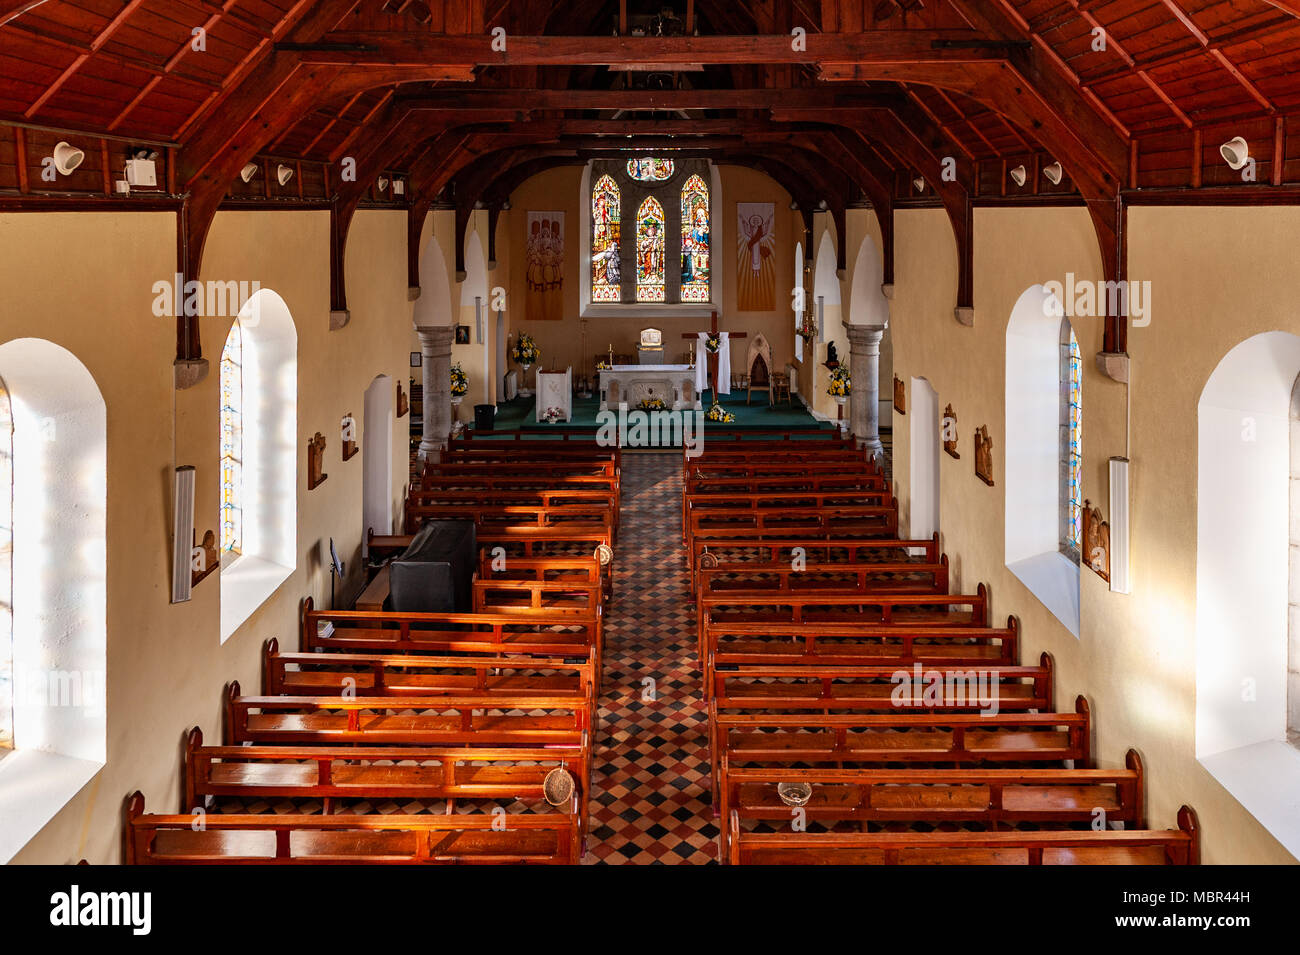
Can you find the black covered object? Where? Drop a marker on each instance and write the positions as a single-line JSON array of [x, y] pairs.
[[436, 573], [485, 417]]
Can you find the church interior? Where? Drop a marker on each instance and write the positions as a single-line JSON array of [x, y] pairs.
[[765, 432]]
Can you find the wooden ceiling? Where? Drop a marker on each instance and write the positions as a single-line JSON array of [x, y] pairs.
[[842, 101]]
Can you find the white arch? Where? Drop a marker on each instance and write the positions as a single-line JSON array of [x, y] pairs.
[[1242, 538], [476, 277], [270, 473], [1033, 455], [867, 303], [925, 436], [826, 283], [377, 457], [60, 533], [433, 307]]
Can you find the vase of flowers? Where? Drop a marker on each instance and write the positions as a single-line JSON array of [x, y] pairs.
[[525, 352], [841, 385], [552, 415], [719, 414], [459, 384], [651, 404]]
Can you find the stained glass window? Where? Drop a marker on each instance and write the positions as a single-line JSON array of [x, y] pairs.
[[650, 251], [605, 278], [650, 169], [232, 442], [6, 571], [1071, 435], [695, 240]]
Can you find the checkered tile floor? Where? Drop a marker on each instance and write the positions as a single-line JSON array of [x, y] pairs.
[[651, 768]]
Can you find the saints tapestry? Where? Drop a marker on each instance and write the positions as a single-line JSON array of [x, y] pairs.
[[545, 266]]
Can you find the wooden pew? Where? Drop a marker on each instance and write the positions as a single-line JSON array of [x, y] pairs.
[[500, 516], [508, 596], [505, 470], [996, 798], [743, 645], [812, 523], [333, 773], [714, 552], [921, 688], [376, 674], [546, 498], [1053, 847], [477, 719], [398, 839], [782, 739], [884, 609], [541, 634], [782, 502], [907, 576]]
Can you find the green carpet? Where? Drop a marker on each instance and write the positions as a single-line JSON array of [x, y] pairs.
[[518, 415]]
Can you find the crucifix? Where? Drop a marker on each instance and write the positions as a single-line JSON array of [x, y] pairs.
[[713, 356]]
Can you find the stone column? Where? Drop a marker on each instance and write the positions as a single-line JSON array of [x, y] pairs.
[[864, 399], [435, 347]]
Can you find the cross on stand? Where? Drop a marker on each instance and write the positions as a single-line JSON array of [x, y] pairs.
[[712, 357]]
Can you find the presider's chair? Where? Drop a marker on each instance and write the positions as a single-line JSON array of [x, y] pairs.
[[758, 358]]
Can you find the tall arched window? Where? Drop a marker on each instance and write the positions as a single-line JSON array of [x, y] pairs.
[[695, 240], [6, 571], [1071, 447], [606, 283], [232, 443], [650, 251]]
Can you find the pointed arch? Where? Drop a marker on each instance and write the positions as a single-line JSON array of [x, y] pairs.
[[650, 251], [695, 240], [606, 279]]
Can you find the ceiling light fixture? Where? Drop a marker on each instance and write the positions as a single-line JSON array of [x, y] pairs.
[[1054, 173], [1018, 175], [67, 158], [1235, 152], [382, 183], [919, 184], [249, 171], [283, 174]]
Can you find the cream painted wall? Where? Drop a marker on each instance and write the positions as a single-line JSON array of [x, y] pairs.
[[166, 664], [1218, 276]]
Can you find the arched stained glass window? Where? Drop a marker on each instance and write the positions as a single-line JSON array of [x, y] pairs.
[[232, 443], [695, 240], [650, 169], [1071, 443], [605, 277], [650, 251]]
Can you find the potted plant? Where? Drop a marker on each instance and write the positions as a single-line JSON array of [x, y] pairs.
[[525, 352], [459, 384]]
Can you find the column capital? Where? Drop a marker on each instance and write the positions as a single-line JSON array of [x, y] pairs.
[[435, 339], [863, 334]]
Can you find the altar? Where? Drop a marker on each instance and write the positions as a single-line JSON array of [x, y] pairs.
[[632, 384]]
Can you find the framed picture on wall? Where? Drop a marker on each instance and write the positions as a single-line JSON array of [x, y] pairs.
[[417, 359], [462, 334]]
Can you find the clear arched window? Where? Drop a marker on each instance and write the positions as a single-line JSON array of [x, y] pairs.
[[1071, 443], [605, 278], [695, 241], [650, 251], [232, 444], [6, 571]]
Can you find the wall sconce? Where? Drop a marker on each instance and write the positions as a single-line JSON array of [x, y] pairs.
[[283, 174], [1019, 176], [1120, 578], [248, 172], [382, 183], [399, 187], [919, 184], [1235, 152], [67, 158], [1054, 173]]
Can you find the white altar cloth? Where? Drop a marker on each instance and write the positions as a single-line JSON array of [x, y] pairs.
[[555, 390], [634, 383]]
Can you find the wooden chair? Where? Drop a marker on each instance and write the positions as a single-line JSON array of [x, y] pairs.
[[760, 368], [780, 387]]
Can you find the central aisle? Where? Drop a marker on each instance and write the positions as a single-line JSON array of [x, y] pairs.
[[650, 778]]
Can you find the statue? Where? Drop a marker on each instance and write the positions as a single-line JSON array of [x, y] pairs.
[[830, 353]]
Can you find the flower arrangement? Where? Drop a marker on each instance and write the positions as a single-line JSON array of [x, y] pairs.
[[720, 414], [840, 384], [713, 343], [651, 404], [459, 381], [525, 351], [552, 415], [603, 365]]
